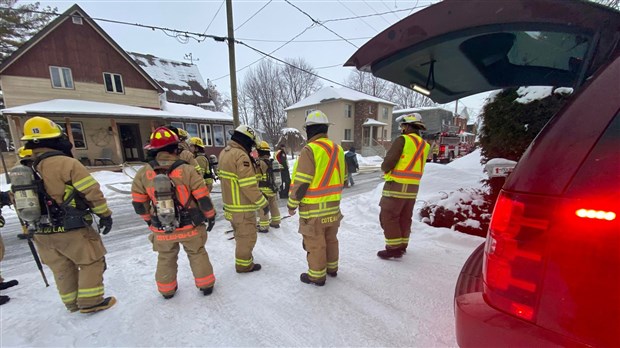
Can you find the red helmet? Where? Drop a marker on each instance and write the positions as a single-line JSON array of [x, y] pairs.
[[162, 137]]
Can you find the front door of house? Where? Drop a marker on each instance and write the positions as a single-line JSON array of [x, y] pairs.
[[130, 141]]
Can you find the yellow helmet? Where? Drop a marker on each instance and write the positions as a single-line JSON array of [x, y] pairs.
[[182, 134], [41, 128], [24, 153], [196, 141], [263, 146]]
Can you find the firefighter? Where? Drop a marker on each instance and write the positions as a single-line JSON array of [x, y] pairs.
[[403, 167], [197, 147], [61, 217], [184, 152], [269, 187], [4, 284], [174, 202], [241, 195], [316, 187], [284, 173]]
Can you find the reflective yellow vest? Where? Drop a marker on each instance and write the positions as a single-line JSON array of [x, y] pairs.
[[410, 166], [326, 184]]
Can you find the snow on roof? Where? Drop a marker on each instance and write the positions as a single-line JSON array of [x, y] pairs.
[[194, 112], [330, 94], [83, 107], [373, 122], [181, 81]]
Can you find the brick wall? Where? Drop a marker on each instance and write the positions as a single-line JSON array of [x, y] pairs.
[[363, 110]]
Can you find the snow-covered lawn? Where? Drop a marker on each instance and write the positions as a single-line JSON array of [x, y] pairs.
[[372, 302]]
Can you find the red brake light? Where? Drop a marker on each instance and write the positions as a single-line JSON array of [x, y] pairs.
[[514, 264], [442, 148]]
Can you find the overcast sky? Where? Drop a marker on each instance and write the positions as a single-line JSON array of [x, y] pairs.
[[263, 24]]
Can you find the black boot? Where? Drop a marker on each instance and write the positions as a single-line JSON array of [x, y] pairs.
[[6, 285], [4, 299], [390, 253], [207, 291], [332, 273], [305, 278], [105, 304], [255, 267], [169, 296]]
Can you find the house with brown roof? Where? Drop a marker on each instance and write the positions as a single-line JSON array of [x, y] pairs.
[[75, 74]]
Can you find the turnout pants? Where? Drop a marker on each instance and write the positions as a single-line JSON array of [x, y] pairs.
[[77, 260], [168, 245], [244, 226], [395, 219], [274, 211], [320, 242]]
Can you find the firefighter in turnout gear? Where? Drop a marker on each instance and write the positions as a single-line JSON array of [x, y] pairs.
[[56, 198], [197, 147], [174, 202], [403, 167], [4, 200], [184, 152], [269, 182], [316, 187], [241, 195]]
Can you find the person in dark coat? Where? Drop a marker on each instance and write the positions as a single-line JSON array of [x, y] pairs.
[[281, 157], [352, 166]]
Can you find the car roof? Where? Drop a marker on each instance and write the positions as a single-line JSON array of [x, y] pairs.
[[458, 48]]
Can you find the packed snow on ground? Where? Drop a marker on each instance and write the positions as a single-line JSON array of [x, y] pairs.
[[372, 302]]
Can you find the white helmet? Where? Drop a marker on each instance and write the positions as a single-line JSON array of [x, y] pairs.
[[316, 117], [413, 119], [248, 132]]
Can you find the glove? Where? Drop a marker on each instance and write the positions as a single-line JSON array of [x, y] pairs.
[[210, 223], [105, 223], [2, 222]]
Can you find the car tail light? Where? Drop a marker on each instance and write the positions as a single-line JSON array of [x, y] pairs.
[[442, 148], [514, 263]]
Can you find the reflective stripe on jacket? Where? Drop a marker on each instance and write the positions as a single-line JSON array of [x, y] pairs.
[[410, 166], [321, 168], [237, 174]]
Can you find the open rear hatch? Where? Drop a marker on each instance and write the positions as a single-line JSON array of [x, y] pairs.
[[457, 48]]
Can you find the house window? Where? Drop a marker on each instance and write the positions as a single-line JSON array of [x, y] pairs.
[[191, 129], [207, 134], [177, 124], [384, 134], [218, 135], [228, 131], [61, 77], [76, 20], [384, 112], [348, 110], [347, 134], [79, 140], [113, 83], [370, 109]]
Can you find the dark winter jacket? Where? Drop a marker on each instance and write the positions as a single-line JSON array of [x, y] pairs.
[[351, 159]]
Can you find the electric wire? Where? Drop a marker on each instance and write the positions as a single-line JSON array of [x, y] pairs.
[[321, 24], [306, 41], [252, 16], [375, 11], [215, 15], [355, 14]]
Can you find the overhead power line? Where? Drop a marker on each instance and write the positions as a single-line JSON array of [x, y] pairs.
[[375, 11], [319, 23], [355, 14], [252, 16], [372, 15], [308, 41], [215, 15]]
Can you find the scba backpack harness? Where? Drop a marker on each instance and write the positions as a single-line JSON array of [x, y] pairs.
[[170, 213], [38, 209], [274, 180]]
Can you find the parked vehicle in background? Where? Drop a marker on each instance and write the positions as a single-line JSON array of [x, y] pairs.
[[448, 148], [549, 271]]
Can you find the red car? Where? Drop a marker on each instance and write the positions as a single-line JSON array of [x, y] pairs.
[[549, 271]]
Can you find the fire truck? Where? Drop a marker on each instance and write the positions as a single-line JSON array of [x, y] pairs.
[[445, 147]]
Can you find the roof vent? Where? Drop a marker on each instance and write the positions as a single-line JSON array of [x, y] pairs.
[[76, 20]]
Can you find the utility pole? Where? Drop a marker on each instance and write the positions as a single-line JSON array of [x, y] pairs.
[[231, 63]]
